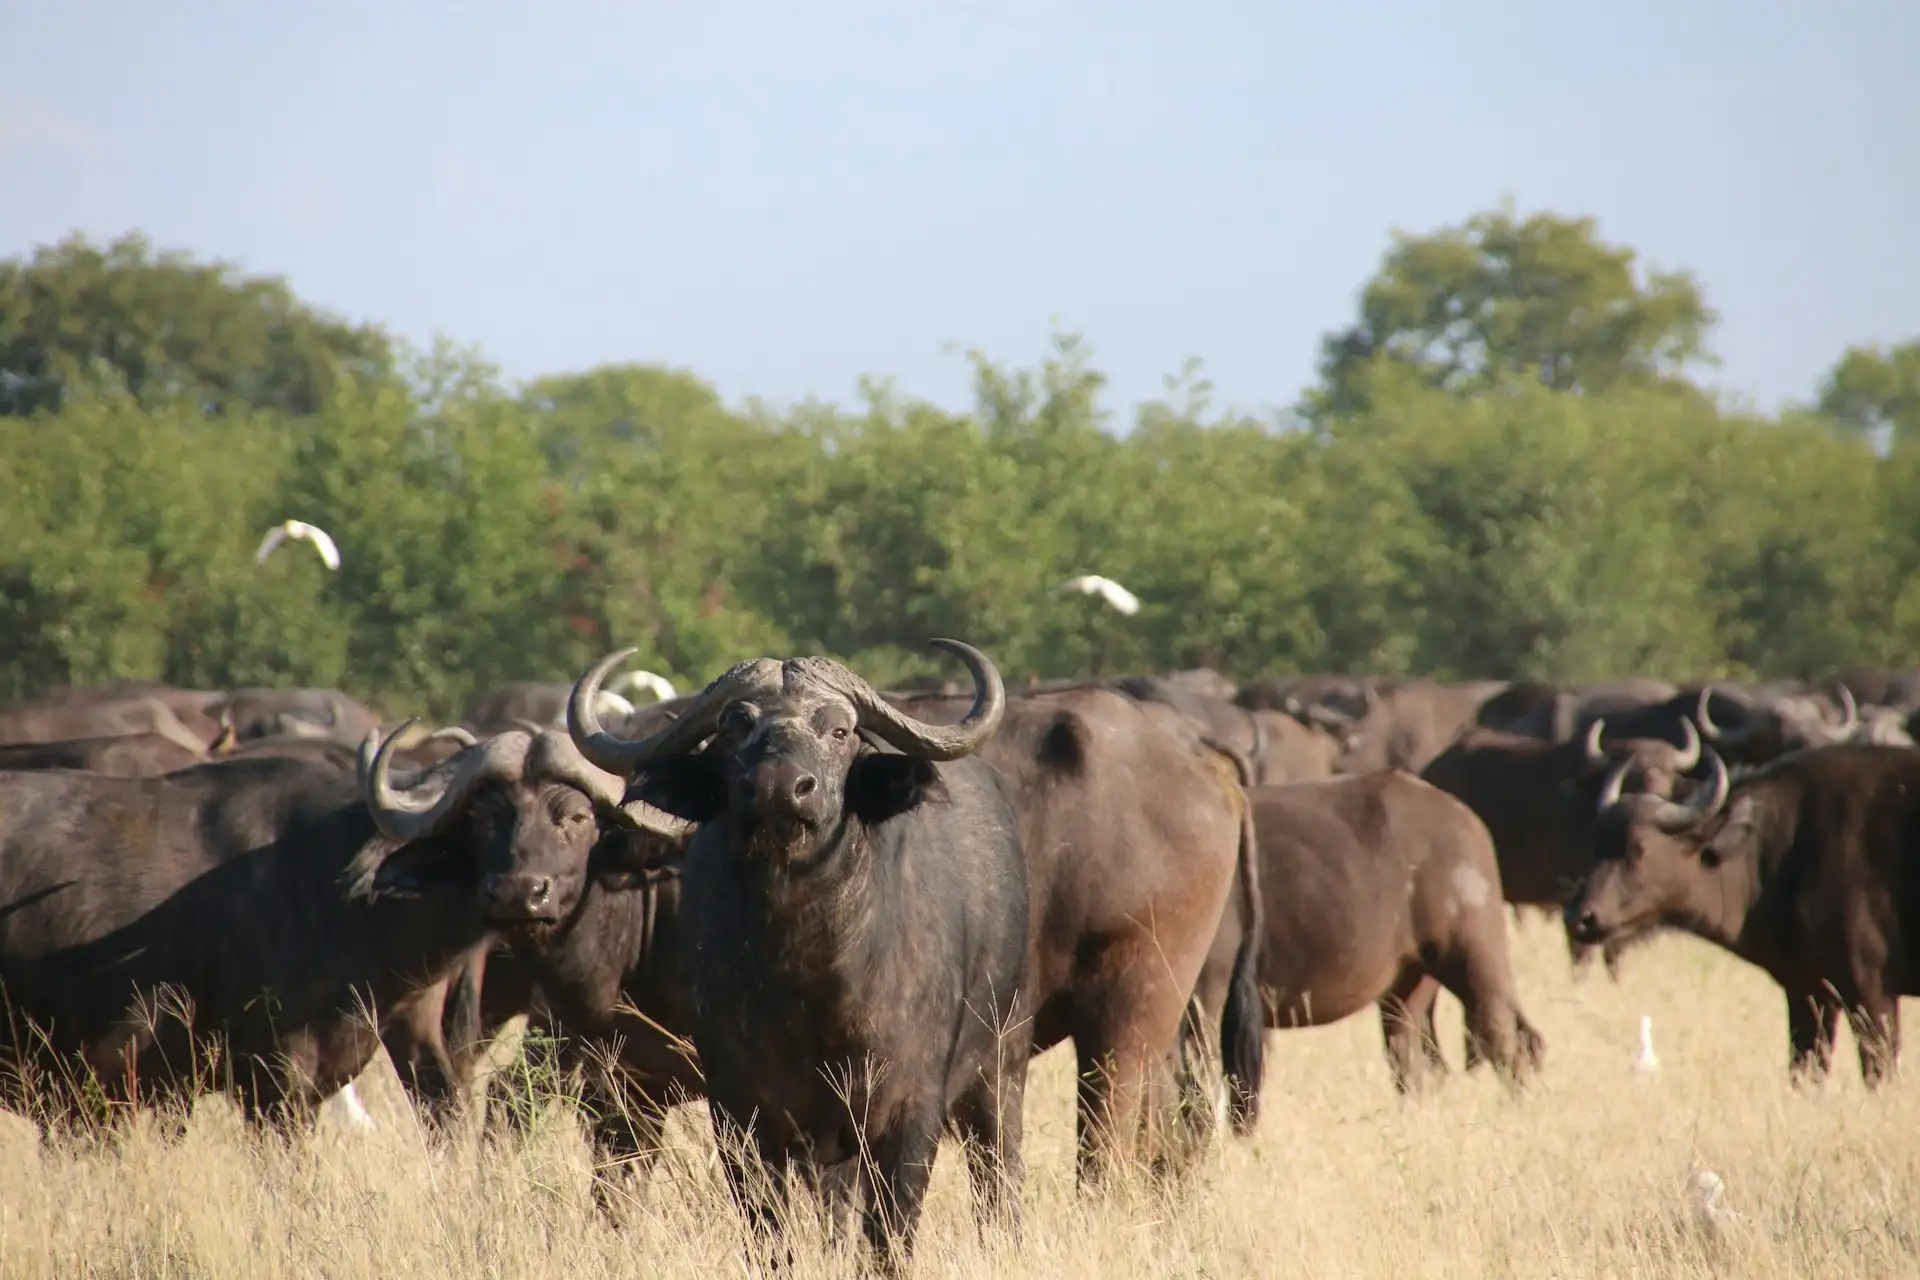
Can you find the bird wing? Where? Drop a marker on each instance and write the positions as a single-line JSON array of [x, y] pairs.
[[275, 536], [323, 543]]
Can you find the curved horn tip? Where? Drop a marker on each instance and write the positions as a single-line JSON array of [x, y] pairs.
[[1690, 751], [1615, 786], [1595, 733], [1717, 790], [582, 715]]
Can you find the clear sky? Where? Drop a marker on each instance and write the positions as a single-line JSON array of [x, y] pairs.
[[783, 198]]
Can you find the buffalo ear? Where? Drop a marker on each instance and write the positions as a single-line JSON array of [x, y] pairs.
[[626, 860], [885, 786], [385, 869], [691, 788]]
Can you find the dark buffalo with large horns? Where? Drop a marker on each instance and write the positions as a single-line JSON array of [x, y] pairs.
[[1805, 868], [259, 909], [854, 926]]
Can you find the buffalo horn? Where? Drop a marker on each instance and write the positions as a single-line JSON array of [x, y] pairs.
[[437, 794], [1596, 754], [1690, 753], [1701, 805], [936, 742]]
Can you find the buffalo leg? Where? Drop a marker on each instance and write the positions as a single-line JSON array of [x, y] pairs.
[[987, 1118], [897, 1187], [1406, 1019], [1479, 977], [418, 1050], [759, 1186], [1812, 1018]]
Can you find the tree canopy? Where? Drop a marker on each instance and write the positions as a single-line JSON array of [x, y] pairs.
[[1500, 297], [1585, 522], [165, 326]]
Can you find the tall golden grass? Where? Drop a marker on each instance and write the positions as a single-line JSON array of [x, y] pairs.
[[1585, 1175]]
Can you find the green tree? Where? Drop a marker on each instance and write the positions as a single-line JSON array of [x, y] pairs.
[[1500, 297], [165, 326], [1876, 388]]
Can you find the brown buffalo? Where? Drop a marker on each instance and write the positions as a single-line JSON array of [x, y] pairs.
[[97, 719], [1380, 889], [132, 755], [302, 713], [1557, 714], [1804, 868], [1134, 841], [1538, 799], [1291, 751], [1401, 724]]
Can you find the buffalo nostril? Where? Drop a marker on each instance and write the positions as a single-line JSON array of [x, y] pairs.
[[803, 786], [541, 889]]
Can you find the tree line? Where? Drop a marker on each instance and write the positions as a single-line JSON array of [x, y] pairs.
[[1505, 469]]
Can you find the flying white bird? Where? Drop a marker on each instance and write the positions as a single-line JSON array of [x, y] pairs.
[[346, 1105], [303, 531], [1646, 1061], [1092, 584], [659, 686]]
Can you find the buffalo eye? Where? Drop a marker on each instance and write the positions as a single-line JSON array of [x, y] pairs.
[[839, 733], [736, 719], [1709, 856]]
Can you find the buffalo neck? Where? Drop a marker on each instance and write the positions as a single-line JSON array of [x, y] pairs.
[[815, 905], [390, 946], [1732, 907]]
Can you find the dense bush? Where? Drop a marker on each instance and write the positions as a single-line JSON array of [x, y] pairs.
[[1413, 520]]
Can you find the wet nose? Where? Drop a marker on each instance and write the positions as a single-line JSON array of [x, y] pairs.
[[519, 895], [787, 787]]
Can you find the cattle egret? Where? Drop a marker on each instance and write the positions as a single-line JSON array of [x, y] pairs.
[[1646, 1061], [346, 1105], [659, 686], [1092, 584], [1709, 1214], [304, 532]]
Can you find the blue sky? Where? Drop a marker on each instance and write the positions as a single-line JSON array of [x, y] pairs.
[[784, 198]]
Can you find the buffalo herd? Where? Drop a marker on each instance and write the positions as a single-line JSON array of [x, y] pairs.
[[847, 917]]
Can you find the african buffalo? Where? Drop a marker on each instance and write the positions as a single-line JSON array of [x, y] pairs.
[[1134, 842], [1228, 724], [1538, 799], [1401, 724], [854, 926], [302, 713], [1746, 726], [1379, 890], [273, 902], [1291, 751], [132, 755], [1804, 868], [1556, 714], [146, 715]]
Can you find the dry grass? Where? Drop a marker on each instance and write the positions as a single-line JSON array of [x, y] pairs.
[[1584, 1177]]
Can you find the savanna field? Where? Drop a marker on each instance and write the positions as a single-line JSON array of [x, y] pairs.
[[1586, 1175]]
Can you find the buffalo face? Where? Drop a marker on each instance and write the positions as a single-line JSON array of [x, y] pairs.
[[787, 751], [514, 820], [1653, 862]]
